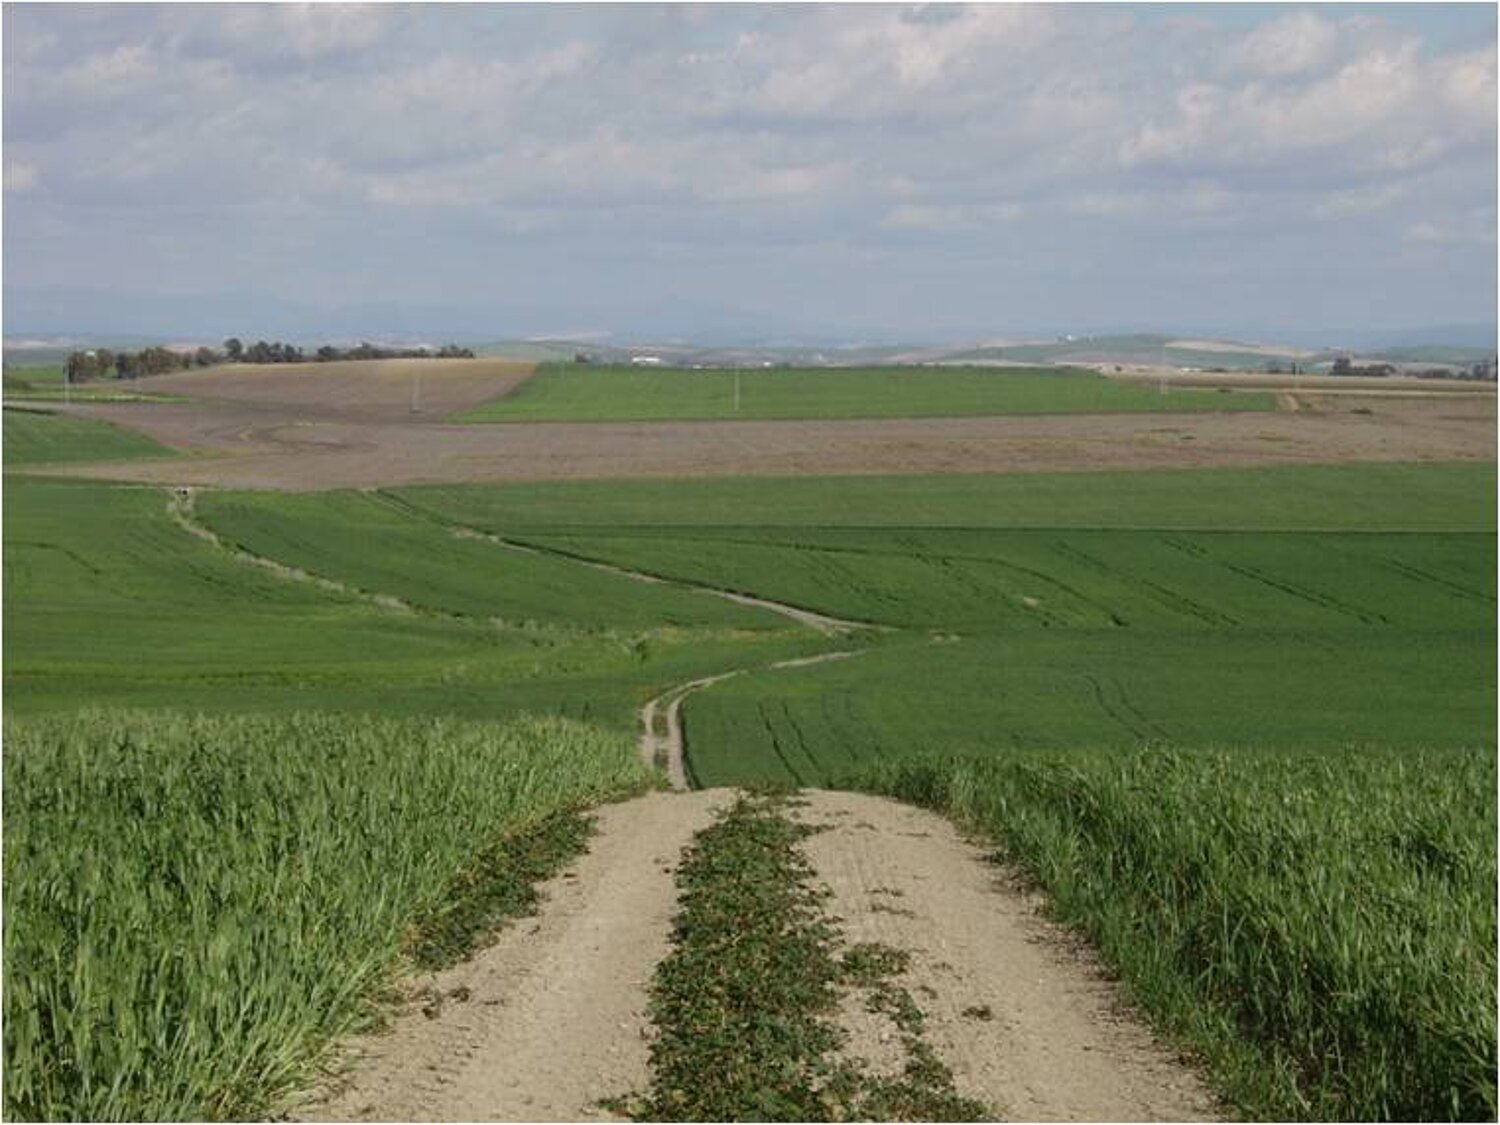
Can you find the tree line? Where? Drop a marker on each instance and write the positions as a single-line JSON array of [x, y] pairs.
[[103, 363]]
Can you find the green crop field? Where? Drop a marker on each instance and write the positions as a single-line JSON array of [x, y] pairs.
[[1125, 678], [35, 438], [1320, 607], [372, 543], [579, 393], [46, 384], [107, 600], [1373, 497], [195, 908]]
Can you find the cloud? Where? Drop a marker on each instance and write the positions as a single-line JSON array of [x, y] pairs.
[[1291, 44], [950, 217], [329, 146], [1390, 107], [1361, 201]]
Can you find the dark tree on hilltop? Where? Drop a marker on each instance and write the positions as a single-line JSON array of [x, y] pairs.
[[233, 349]]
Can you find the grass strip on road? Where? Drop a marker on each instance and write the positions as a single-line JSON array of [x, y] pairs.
[[498, 884], [1320, 926], [196, 908], [744, 1003]]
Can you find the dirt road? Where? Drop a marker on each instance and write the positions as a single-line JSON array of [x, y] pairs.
[[553, 1016], [1013, 1006]]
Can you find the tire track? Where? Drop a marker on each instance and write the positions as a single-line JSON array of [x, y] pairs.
[[183, 511], [662, 743], [821, 622]]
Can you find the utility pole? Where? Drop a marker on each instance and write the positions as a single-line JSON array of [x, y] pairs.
[[416, 393], [736, 392]]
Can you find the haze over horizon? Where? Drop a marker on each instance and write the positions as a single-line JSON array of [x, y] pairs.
[[763, 172]]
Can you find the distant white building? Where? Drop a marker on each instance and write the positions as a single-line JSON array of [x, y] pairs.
[[646, 360]]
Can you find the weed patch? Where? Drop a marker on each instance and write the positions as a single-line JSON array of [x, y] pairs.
[[499, 883], [744, 1003]]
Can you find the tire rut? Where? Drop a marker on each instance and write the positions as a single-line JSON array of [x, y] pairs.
[[553, 1016], [662, 743], [822, 622], [1013, 1005], [183, 510]]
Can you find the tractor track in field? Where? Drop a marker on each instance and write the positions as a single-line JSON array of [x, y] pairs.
[[822, 622], [662, 743], [183, 511], [182, 508]]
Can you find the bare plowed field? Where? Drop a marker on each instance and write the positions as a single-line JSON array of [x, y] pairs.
[[289, 445], [369, 390]]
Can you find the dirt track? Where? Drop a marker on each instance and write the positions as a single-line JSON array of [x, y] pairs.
[[552, 1017], [289, 447]]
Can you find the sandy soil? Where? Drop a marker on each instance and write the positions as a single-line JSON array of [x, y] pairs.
[[552, 1017], [1013, 1006], [283, 447]]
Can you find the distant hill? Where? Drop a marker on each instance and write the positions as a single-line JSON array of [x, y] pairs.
[[1454, 346]]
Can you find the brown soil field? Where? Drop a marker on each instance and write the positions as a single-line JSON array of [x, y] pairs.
[[285, 434], [368, 390], [1381, 386]]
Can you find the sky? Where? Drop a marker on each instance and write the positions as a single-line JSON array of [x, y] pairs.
[[747, 172]]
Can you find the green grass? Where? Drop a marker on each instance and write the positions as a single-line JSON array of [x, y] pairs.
[[744, 1002], [983, 580], [196, 907], [1321, 927], [1299, 607], [572, 393], [36, 438]]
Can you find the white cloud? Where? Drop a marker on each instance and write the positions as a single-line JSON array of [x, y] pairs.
[[302, 31], [1390, 107], [1045, 133], [111, 72], [1291, 44], [1474, 227]]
